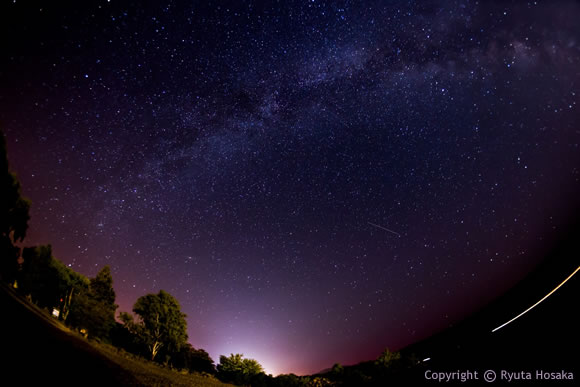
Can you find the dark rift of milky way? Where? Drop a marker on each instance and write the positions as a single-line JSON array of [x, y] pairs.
[[314, 181]]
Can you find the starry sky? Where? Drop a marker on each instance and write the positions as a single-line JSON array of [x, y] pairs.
[[312, 180]]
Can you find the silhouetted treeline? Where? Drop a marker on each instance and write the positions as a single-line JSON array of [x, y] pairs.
[[390, 368], [159, 332], [88, 304], [14, 216]]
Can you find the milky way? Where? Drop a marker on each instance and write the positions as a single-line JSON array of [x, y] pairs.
[[241, 156]]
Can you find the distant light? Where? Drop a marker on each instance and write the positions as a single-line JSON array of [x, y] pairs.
[[537, 303], [426, 359]]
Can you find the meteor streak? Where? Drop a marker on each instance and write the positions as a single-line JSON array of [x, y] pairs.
[[386, 229], [537, 303]]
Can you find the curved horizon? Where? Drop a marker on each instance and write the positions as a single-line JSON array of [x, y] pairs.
[[313, 181]]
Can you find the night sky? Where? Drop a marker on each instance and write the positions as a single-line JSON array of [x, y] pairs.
[[313, 181]]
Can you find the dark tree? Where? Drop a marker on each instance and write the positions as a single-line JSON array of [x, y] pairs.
[[193, 360], [289, 380], [387, 367], [14, 216], [73, 284], [236, 369], [89, 305], [200, 361], [102, 288], [51, 284], [39, 278], [122, 338], [162, 323], [337, 369], [101, 305], [387, 358]]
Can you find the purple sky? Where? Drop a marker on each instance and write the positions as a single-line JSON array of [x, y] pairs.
[[250, 159]]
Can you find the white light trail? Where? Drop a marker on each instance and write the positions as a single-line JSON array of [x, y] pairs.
[[384, 228], [537, 303]]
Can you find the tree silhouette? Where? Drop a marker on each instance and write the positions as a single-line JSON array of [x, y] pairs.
[[162, 323], [14, 216], [290, 380], [101, 304], [337, 369], [51, 284], [93, 306], [194, 360], [387, 358], [238, 370], [102, 287], [40, 278], [83, 303]]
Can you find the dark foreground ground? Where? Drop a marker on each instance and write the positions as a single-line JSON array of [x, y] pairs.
[[37, 350]]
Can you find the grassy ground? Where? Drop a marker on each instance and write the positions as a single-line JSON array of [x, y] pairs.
[[37, 350], [152, 374]]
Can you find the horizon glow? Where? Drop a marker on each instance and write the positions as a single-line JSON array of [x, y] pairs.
[[313, 181]]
